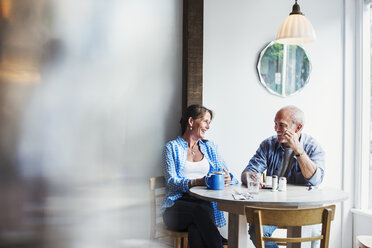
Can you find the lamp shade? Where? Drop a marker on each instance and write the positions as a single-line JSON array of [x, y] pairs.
[[296, 28]]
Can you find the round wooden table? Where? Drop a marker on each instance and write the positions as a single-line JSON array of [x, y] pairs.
[[295, 196], [364, 241]]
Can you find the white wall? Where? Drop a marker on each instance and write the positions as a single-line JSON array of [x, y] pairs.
[[234, 34]]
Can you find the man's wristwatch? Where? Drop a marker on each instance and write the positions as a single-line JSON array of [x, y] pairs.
[[299, 155]]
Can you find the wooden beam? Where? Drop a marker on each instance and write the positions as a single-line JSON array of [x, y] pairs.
[[192, 60]]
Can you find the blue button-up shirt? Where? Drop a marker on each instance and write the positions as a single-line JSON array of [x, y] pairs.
[[175, 155], [270, 154]]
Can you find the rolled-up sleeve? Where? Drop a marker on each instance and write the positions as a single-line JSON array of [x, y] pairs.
[[317, 155], [173, 181]]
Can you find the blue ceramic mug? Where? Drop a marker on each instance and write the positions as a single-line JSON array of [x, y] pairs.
[[215, 181]]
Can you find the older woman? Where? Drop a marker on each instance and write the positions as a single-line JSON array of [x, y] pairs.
[[187, 160]]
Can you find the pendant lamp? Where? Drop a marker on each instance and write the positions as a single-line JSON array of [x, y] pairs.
[[296, 28]]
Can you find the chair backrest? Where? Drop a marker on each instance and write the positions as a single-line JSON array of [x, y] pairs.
[[291, 217], [157, 194]]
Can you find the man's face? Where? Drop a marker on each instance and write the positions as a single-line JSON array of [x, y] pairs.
[[283, 122]]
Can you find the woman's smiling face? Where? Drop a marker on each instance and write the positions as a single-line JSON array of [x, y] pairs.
[[201, 125]]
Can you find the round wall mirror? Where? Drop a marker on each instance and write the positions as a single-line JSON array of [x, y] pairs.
[[283, 69]]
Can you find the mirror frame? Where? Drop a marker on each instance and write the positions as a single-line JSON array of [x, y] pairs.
[[262, 80]]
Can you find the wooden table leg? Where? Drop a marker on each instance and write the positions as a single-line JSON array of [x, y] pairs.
[[294, 231], [237, 231]]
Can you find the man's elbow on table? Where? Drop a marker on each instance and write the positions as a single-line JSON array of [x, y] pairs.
[[317, 178]]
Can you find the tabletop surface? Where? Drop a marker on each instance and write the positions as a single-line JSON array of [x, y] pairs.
[[295, 195], [366, 240]]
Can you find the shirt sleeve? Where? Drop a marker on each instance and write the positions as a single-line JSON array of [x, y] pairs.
[[317, 155], [172, 179], [258, 162]]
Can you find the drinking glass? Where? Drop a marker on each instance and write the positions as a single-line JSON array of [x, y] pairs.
[[253, 182]]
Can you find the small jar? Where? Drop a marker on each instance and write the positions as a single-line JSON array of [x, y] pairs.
[[274, 183]]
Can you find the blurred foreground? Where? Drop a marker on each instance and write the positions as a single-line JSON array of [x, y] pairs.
[[80, 85]]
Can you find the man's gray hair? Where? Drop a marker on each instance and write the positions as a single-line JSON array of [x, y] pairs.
[[297, 115]]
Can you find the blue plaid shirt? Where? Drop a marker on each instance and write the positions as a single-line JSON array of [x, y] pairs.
[[175, 155], [270, 154]]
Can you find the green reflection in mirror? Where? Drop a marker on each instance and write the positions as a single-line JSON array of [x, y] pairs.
[[283, 69]]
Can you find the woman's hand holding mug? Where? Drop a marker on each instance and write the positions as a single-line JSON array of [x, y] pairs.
[[227, 177]]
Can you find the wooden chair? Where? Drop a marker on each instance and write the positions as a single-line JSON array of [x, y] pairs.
[[159, 231], [291, 217], [364, 241]]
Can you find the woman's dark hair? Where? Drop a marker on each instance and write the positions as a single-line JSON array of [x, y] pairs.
[[195, 112]]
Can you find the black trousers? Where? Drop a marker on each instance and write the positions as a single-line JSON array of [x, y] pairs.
[[197, 217]]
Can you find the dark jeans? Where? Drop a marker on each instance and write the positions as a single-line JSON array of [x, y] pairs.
[[196, 216], [267, 231]]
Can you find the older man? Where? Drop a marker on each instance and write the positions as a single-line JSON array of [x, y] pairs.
[[290, 153]]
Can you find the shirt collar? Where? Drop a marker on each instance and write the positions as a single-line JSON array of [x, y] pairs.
[[184, 144]]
